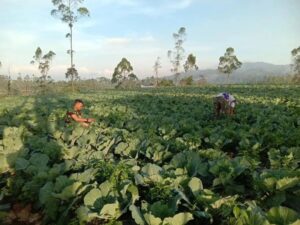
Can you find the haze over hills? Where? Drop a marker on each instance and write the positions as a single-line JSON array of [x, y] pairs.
[[249, 72]]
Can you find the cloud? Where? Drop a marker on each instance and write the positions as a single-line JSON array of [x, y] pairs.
[[55, 26], [106, 72], [148, 38], [15, 38], [86, 24], [21, 69], [181, 4], [117, 41], [162, 7], [149, 8], [200, 48], [90, 43], [128, 40], [118, 2]]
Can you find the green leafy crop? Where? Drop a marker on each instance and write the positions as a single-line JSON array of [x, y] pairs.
[[154, 157]]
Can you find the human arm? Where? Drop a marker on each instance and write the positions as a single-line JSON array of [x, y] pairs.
[[81, 120]]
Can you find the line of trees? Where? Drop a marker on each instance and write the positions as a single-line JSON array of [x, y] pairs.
[[70, 11], [227, 63]]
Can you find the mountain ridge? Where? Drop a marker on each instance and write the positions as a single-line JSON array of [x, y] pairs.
[[249, 72]]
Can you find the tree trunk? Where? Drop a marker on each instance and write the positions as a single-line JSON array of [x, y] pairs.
[[176, 78], [71, 48], [71, 45], [228, 78], [9, 86], [72, 83], [26, 88], [71, 54]]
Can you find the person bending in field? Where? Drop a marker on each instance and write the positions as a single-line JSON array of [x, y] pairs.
[[224, 103], [76, 114]]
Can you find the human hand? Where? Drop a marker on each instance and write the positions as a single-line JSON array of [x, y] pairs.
[[90, 120]]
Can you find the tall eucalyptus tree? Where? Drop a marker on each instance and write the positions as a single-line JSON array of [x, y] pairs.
[[69, 11]]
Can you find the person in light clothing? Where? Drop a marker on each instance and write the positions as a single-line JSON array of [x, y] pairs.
[[224, 103]]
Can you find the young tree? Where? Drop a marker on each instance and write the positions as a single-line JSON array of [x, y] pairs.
[[296, 64], [176, 56], [6, 78], [43, 62], [190, 63], [27, 82], [166, 83], [229, 62], [68, 11], [187, 81], [9, 85], [9, 82], [122, 71], [157, 66]]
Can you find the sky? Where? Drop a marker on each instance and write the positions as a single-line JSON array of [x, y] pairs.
[[141, 31]]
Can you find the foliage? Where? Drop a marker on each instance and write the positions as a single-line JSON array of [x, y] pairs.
[[296, 64], [156, 67], [154, 157], [68, 11], [176, 55], [187, 81], [123, 71], [72, 73], [43, 62], [132, 76], [129, 84], [190, 63], [165, 83], [229, 62]]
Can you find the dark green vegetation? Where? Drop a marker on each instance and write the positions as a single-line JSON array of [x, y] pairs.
[[155, 157]]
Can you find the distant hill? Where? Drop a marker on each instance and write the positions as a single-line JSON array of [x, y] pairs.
[[249, 72]]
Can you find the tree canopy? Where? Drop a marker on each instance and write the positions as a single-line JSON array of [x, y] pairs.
[[123, 71], [176, 55], [190, 63], [229, 62], [43, 62], [296, 63]]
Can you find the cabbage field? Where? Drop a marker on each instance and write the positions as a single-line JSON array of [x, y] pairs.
[[153, 157]]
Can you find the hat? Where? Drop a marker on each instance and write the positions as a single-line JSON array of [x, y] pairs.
[[226, 95]]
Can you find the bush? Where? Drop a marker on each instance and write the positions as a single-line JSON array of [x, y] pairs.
[[187, 81], [128, 84], [296, 79], [166, 83]]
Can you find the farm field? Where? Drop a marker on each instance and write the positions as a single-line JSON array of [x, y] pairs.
[[153, 157]]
